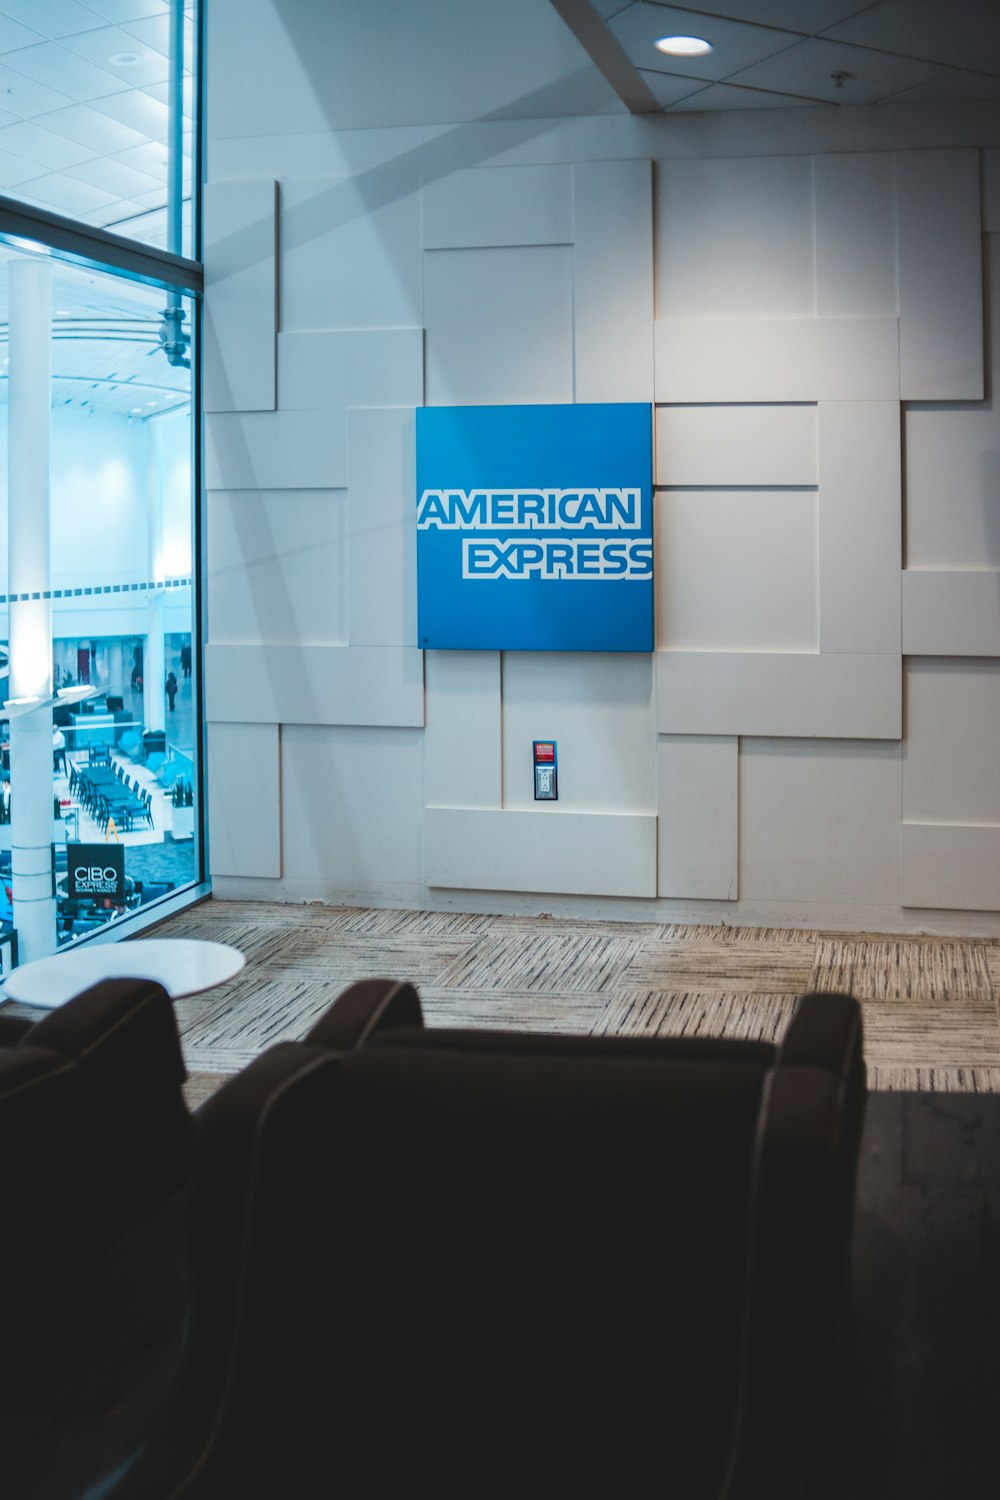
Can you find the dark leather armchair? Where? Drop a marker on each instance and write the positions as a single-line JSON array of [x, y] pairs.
[[95, 1135], [486, 1262]]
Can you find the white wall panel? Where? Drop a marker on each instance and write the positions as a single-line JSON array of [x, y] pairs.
[[244, 799], [351, 801], [462, 740], [736, 445], [780, 359], [775, 693], [860, 526], [277, 566], [736, 570], [734, 238], [698, 834], [304, 684], [382, 542], [350, 253], [940, 276], [359, 367], [499, 206], [499, 326], [952, 866], [240, 226], [953, 466], [584, 854], [598, 707], [856, 235], [819, 821], [951, 613], [950, 757], [613, 281], [280, 450]]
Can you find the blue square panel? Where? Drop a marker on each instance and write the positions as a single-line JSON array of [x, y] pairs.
[[535, 528]]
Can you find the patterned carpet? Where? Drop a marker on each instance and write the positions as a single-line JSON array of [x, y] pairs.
[[930, 1004]]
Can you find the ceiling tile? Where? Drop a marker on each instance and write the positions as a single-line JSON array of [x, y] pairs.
[[961, 32], [789, 15], [54, 18], [127, 10], [14, 169], [141, 113], [94, 128], [66, 195], [161, 91], [13, 34], [102, 47], [667, 89], [949, 88], [730, 96], [52, 64], [806, 69], [736, 44], [113, 176], [30, 139], [150, 158], [26, 98]]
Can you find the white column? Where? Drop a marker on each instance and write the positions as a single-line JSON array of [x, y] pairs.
[[29, 398], [153, 667]]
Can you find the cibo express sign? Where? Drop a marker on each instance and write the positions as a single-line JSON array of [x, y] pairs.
[[535, 527], [94, 870]]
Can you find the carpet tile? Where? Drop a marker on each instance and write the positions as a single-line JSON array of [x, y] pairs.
[[924, 972]]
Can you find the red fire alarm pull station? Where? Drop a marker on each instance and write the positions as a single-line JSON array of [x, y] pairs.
[[546, 779]]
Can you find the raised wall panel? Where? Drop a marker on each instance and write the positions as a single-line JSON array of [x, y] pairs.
[[698, 835], [613, 281], [819, 821], [351, 805], [860, 526], [277, 566], [951, 866], [953, 466], [499, 206], [777, 359], [779, 693], [279, 450], [382, 544], [303, 684], [940, 276], [856, 235], [581, 854], [735, 445], [240, 228], [244, 772], [350, 252], [499, 326], [950, 757], [953, 613], [462, 740], [358, 367], [736, 570], [734, 238], [598, 707]]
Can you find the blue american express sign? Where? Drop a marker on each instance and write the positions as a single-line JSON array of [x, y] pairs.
[[535, 527]]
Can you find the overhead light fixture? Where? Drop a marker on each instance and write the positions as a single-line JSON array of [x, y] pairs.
[[125, 59], [684, 46]]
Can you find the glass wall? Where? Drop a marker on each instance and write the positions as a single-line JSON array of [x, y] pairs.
[[98, 113], [101, 826]]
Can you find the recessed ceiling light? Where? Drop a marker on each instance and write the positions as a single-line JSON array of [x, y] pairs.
[[125, 59], [684, 46]]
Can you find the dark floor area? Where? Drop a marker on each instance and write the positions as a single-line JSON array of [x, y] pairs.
[[923, 1383]]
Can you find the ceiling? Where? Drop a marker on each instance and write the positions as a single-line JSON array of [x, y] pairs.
[[83, 131], [793, 53]]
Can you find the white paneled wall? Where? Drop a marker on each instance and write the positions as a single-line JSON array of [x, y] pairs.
[[810, 328]]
